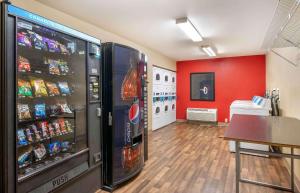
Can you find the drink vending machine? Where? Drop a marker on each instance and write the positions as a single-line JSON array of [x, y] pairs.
[[50, 106], [124, 113]]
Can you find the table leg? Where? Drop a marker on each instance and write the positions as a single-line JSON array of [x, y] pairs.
[[292, 171], [237, 166]]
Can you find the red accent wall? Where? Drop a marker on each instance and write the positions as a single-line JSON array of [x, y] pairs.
[[236, 78]]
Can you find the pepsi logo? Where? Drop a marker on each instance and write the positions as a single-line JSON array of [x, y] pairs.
[[133, 114]]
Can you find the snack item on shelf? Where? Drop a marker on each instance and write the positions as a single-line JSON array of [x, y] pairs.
[[44, 128], [53, 67], [68, 126], [36, 133], [39, 87], [24, 88], [52, 89], [51, 130], [40, 111], [64, 68], [56, 127], [64, 88], [65, 146], [55, 110], [72, 47], [23, 112], [63, 49], [21, 137], [23, 39], [37, 41], [54, 148], [23, 64], [29, 134], [24, 158], [129, 85], [62, 126], [53, 46], [65, 108], [39, 152]]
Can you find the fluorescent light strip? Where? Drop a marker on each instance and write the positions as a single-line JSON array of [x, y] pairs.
[[209, 51], [189, 29]]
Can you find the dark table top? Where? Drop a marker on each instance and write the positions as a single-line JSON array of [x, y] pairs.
[[278, 131]]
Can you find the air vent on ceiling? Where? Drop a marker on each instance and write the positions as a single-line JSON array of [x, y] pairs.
[[284, 31]]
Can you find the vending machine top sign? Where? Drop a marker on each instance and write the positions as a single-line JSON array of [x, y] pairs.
[[48, 23]]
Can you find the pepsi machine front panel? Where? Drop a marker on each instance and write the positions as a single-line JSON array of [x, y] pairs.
[[127, 153], [124, 105]]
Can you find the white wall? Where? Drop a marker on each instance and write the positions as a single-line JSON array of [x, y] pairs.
[[286, 77], [154, 58]]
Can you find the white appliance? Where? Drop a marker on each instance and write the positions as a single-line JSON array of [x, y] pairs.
[[157, 76], [201, 114], [158, 113], [167, 79], [173, 75], [164, 88], [156, 108], [256, 106]]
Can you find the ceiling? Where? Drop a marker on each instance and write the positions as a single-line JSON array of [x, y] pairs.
[[233, 27]]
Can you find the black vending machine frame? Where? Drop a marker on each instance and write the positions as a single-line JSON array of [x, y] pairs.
[[68, 175], [108, 141]]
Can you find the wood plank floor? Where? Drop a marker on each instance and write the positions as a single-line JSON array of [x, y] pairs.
[[193, 158]]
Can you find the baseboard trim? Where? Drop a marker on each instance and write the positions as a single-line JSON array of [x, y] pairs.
[[181, 120]]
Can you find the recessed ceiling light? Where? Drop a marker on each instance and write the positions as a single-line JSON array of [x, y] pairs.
[[209, 51], [189, 29]]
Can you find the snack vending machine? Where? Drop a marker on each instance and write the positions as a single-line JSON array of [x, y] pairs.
[[123, 113], [50, 105]]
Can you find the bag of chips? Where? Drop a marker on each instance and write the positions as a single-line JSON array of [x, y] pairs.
[[39, 87], [51, 130], [54, 148], [69, 126], [36, 132], [56, 127], [39, 152], [23, 112], [37, 41], [62, 126], [23, 64], [21, 138], [24, 159], [65, 146], [53, 67], [63, 49], [43, 126], [64, 88], [29, 134], [65, 108], [53, 46], [40, 111], [64, 69], [55, 110], [52, 89], [24, 88], [23, 39]]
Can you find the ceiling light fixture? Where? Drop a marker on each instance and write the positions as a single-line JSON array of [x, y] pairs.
[[209, 51], [189, 29]]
